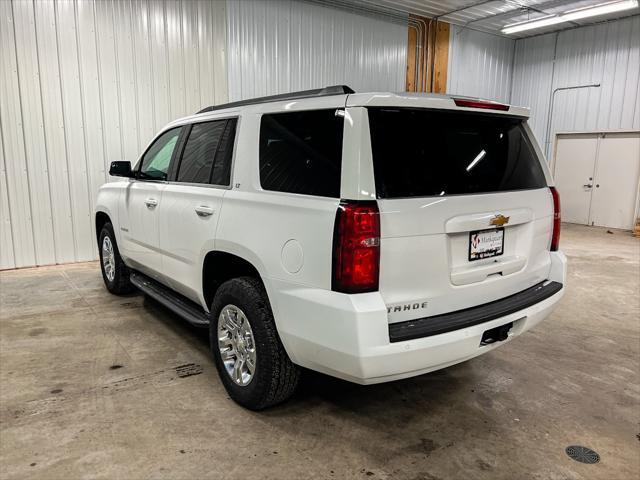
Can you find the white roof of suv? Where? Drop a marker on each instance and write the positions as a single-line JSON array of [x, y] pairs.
[[294, 100]]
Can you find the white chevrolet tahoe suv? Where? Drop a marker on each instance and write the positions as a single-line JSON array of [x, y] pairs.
[[371, 237]]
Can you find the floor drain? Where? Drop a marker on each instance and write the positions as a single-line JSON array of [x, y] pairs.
[[582, 454]]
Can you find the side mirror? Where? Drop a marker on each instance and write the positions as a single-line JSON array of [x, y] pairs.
[[120, 169]]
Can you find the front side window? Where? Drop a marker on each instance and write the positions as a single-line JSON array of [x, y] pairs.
[[155, 162], [301, 152]]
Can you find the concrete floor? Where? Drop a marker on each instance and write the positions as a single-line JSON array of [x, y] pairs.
[[95, 386]]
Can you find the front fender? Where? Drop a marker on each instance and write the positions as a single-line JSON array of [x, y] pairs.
[[107, 202]]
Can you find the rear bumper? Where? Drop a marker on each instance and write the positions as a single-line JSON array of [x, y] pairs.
[[448, 322], [348, 336]]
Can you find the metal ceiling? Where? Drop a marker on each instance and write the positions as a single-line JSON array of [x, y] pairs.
[[484, 15]]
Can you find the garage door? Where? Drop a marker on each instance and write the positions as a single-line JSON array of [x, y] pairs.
[[597, 177]]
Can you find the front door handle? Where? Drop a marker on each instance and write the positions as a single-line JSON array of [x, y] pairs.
[[204, 211], [151, 202], [588, 185]]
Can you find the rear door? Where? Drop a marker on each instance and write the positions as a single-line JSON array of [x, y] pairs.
[[466, 215], [192, 200]]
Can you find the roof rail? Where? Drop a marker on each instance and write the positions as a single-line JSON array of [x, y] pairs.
[[318, 92]]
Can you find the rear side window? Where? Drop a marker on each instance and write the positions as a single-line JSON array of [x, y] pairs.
[[301, 152], [434, 153], [207, 153], [222, 168]]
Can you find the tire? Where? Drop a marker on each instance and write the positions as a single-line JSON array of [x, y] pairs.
[[117, 282], [274, 378]]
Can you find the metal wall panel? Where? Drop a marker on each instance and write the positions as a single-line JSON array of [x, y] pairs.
[[82, 83], [480, 64], [608, 54], [532, 78], [17, 210], [277, 46]]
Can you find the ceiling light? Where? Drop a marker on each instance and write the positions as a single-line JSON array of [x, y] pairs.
[[570, 15], [601, 9]]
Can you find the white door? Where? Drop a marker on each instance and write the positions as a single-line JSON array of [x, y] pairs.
[[597, 177], [575, 164], [191, 203], [616, 180], [139, 225], [139, 211]]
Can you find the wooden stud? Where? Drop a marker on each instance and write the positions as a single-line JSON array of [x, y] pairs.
[[427, 65], [442, 58]]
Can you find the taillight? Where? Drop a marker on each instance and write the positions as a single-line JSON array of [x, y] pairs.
[[555, 237], [356, 247], [463, 102]]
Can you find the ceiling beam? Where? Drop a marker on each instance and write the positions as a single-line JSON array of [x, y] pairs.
[[465, 7]]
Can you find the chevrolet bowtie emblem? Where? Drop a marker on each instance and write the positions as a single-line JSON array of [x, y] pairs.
[[499, 220]]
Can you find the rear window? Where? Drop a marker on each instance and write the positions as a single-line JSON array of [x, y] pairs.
[[301, 152], [420, 153]]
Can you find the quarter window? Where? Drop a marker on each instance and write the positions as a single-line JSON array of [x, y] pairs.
[[156, 160], [301, 152]]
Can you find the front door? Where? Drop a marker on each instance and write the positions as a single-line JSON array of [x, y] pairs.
[[142, 203]]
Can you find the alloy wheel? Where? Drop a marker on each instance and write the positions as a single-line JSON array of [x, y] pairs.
[[108, 259], [237, 345]]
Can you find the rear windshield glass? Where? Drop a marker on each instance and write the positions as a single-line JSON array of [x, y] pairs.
[[420, 153]]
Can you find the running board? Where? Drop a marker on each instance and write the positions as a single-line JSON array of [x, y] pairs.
[[175, 302]]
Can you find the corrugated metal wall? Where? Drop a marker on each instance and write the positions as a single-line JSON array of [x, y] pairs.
[[480, 64], [277, 46], [532, 78], [83, 83], [608, 54]]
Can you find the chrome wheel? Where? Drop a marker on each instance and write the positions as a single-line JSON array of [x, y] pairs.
[[108, 259], [236, 344]]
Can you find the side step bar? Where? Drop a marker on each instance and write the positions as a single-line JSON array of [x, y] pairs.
[[175, 302]]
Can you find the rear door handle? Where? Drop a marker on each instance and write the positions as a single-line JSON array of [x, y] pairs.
[[151, 202], [204, 211]]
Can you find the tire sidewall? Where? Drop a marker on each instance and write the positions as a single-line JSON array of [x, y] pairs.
[[107, 230], [235, 293]]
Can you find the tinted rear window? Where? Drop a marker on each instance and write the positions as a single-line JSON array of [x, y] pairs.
[[208, 153], [434, 152], [199, 152], [222, 168], [301, 152]]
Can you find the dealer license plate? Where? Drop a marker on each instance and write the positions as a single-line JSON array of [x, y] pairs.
[[486, 243]]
